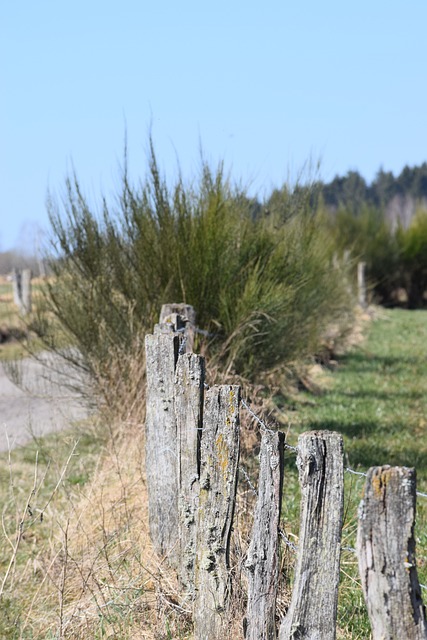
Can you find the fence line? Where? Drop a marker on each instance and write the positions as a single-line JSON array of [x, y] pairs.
[[192, 464], [261, 422]]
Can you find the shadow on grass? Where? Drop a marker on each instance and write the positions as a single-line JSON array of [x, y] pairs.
[[364, 454], [381, 395], [351, 429], [367, 455], [364, 361]]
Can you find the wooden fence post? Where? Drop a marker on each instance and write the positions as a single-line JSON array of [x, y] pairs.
[[162, 350], [21, 283], [263, 553], [160, 425], [386, 554], [16, 286], [189, 392], [313, 609], [218, 482], [361, 284], [26, 291], [182, 316]]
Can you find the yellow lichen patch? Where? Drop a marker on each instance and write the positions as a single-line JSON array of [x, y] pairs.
[[232, 400], [222, 453], [380, 481]]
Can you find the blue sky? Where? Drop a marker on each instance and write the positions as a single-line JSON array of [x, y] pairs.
[[264, 86]]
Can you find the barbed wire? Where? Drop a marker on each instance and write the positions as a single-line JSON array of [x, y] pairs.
[[421, 494], [267, 429], [288, 542], [248, 480], [264, 427]]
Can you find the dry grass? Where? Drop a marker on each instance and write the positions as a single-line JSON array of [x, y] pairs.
[[93, 573], [109, 579]]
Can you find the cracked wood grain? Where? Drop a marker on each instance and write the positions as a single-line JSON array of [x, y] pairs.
[[313, 609], [386, 555], [218, 481], [262, 561]]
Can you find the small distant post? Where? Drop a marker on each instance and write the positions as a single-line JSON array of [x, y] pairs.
[[21, 283], [183, 317], [26, 291], [361, 284]]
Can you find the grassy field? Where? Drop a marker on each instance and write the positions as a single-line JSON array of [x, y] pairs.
[[375, 395], [39, 484], [75, 559]]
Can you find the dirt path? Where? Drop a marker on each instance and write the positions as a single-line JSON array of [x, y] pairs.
[[40, 402]]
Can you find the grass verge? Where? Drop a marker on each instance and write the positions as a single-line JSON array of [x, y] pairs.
[[375, 395], [40, 484]]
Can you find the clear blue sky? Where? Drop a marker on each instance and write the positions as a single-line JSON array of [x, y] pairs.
[[264, 86]]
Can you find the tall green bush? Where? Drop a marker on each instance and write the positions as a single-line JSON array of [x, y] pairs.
[[413, 250], [263, 285], [396, 258], [369, 237]]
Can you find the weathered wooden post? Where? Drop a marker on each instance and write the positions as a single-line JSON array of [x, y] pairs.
[[361, 284], [263, 554], [189, 392], [160, 447], [218, 482], [313, 609], [21, 283], [16, 287], [162, 350], [386, 554], [183, 317]]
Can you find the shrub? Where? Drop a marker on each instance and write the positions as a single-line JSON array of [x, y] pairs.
[[413, 249], [264, 285], [395, 258], [369, 237]]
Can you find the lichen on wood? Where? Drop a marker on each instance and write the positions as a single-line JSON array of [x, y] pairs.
[[189, 391], [262, 562], [313, 609], [218, 481], [386, 555]]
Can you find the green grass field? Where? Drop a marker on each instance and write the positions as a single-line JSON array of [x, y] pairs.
[[376, 397]]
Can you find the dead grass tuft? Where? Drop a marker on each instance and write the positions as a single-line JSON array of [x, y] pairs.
[[98, 575]]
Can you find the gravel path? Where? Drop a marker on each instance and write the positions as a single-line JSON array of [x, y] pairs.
[[41, 402]]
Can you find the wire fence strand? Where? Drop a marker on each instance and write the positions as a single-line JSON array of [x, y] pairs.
[[264, 427]]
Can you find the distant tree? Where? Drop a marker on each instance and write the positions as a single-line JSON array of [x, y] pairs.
[[384, 187], [419, 185], [349, 191], [405, 179]]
